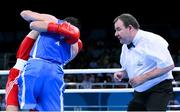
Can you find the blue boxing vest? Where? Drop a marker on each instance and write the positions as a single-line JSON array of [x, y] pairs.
[[51, 47]]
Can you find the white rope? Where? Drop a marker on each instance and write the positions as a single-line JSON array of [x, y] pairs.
[[87, 71], [90, 71], [4, 72], [78, 71], [2, 91], [121, 90]]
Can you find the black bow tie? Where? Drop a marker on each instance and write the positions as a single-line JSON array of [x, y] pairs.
[[130, 45]]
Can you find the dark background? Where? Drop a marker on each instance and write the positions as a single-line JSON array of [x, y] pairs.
[[96, 16], [99, 13]]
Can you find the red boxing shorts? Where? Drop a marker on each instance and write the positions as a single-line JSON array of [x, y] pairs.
[[12, 88], [11, 85]]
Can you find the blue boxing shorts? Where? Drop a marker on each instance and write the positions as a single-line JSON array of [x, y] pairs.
[[41, 86]]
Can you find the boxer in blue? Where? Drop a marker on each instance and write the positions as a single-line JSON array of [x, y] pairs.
[[41, 84]]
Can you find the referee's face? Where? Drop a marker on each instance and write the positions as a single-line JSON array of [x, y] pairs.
[[122, 33]]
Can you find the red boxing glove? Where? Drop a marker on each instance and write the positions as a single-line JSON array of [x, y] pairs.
[[80, 45], [25, 48], [70, 32]]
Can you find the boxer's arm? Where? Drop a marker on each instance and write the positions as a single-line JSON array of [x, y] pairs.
[[76, 48], [26, 45], [70, 32], [33, 34], [80, 45], [35, 16]]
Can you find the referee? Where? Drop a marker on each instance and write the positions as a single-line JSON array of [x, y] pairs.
[[147, 62]]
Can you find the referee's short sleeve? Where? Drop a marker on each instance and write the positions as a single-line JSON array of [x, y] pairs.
[[158, 52]]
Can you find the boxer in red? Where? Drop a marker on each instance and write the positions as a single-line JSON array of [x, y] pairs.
[[11, 85]]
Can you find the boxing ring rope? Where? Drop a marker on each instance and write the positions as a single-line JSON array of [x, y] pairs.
[[122, 90], [87, 71], [92, 71], [95, 71]]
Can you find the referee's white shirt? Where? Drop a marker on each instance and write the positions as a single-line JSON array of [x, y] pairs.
[[150, 51]]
